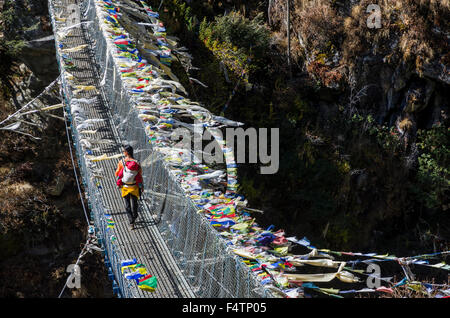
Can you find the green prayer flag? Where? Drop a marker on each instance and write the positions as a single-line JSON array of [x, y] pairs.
[[149, 284]]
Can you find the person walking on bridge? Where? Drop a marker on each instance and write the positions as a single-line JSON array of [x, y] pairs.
[[129, 179]]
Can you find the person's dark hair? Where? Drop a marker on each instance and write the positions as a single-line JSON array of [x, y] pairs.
[[129, 150]]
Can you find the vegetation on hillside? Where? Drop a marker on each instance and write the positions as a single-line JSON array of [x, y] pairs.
[[9, 49], [342, 164]]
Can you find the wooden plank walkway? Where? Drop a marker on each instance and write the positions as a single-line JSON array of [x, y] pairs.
[[145, 242]]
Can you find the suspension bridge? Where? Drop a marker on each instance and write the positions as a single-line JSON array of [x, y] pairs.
[[174, 242], [194, 232]]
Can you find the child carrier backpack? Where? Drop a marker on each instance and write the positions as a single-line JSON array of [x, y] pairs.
[[130, 171]]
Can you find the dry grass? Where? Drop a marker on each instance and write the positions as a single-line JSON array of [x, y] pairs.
[[409, 29], [405, 124], [412, 291], [328, 76], [412, 31]]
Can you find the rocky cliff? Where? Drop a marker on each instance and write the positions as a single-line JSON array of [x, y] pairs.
[[27, 23]]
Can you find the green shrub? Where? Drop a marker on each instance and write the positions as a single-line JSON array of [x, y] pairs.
[[434, 162], [239, 42]]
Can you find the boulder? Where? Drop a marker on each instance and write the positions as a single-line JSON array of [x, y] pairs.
[[57, 188]]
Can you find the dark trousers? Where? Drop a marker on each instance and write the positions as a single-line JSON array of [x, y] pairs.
[[131, 206]]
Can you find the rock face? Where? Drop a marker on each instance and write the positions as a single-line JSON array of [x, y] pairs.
[[30, 23], [39, 56], [401, 67], [394, 93]]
